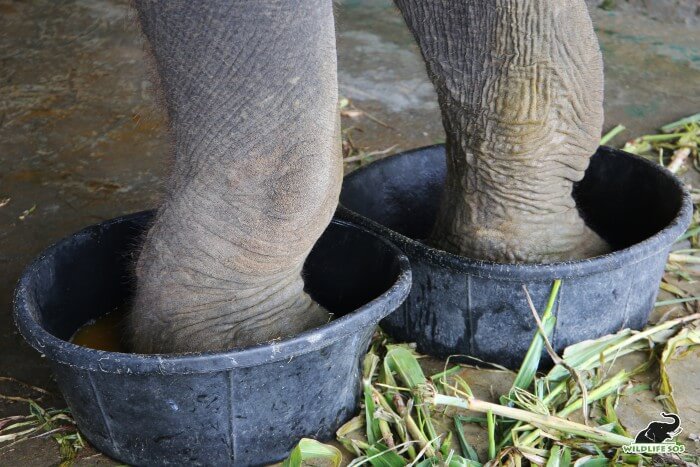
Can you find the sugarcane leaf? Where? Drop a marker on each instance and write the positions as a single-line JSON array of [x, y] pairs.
[[459, 461], [312, 449], [428, 462], [369, 368], [611, 134], [380, 455], [446, 444], [668, 128], [554, 456], [467, 449], [491, 429], [373, 432], [565, 460], [685, 340], [404, 363], [600, 461], [528, 369]]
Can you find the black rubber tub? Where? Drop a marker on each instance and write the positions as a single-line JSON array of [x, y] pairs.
[[463, 306], [243, 407]]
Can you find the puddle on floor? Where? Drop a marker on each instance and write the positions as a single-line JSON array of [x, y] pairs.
[[104, 333]]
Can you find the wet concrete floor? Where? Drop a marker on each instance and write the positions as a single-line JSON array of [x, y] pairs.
[[82, 140]]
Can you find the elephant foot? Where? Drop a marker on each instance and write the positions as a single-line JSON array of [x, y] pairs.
[[192, 303], [521, 239], [305, 314], [590, 246], [219, 327]]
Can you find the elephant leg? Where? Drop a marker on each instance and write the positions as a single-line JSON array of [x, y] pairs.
[[520, 87], [251, 93]]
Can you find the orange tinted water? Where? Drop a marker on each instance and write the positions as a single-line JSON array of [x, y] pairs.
[[105, 333]]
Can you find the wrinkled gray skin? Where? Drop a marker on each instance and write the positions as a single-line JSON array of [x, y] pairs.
[[520, 84], [251, 91]]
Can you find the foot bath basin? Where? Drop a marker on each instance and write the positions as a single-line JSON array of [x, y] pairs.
[[463, 306], [242, 407]]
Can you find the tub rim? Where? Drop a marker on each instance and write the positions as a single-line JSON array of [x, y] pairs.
[[633, 254], [84, 358]]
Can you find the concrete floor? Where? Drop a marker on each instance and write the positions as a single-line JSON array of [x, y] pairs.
[[81, 139]]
